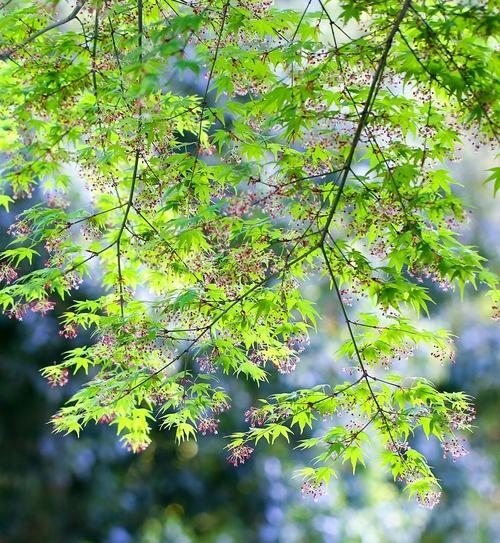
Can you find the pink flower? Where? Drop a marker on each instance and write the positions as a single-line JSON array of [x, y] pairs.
[[314, 490], [220, 407], [58, 380], [455, 448], [7, 273], [19, 228], [69, 331], [287, 365], [429, 499], [137, 447], [206, 364], [208, 425], [239, 455], [255, 417], [17, 311], [42, 306], [106, 419]]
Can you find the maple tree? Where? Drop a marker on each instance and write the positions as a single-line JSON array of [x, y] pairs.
[[318, 148]]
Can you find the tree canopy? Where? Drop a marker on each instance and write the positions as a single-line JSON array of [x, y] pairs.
[[318, 148]]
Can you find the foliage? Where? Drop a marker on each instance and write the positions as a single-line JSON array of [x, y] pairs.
[[309, 154]]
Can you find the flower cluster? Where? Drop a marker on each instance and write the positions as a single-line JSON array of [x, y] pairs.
[[350, 295], [256, 417], [459, 419], [7, 273], [398, 447], [433, 274], [107, 419], [455, 448], [56, 200], [42, 306], [444, 354], [69, 330], [136, 447], [426, 498], [495, 312], [298, 343], [429, 499], [219, 406], [239, 455], [59, 379], [18, 311], [401, 353], [72, 280], [287, 364], [257, 7], [19, 228], [206, 363], [208, 425], [313, 490]]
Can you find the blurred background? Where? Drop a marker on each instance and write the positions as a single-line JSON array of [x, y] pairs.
[[56, 489]]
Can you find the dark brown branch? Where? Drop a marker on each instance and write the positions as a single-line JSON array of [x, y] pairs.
[[365, 374], [374, 87]]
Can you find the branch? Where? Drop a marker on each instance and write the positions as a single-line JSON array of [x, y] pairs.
[[365, 374], [130, 200], [122, 227], [205, 95], [56, 24], [374, 87]]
